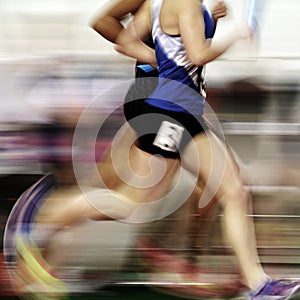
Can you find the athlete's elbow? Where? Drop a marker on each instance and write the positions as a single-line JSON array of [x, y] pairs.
[[198, 60], [100, 23], [96, 24]]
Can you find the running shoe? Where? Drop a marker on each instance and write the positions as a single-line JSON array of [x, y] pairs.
[[276, 290], [39, 281]]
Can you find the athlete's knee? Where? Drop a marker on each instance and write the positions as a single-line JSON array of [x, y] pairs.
[[109, 205], [236, 195]]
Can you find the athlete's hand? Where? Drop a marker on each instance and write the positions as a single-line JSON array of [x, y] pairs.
[[219, 10]]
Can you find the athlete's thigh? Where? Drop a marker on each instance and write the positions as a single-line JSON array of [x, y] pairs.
[[207, 158], [116, 162], [110, 169], [149, 176]]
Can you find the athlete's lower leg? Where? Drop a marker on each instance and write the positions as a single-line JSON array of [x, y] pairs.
[[224, 179]]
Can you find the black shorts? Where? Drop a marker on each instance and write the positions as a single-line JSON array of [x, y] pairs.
[[143, 86], [164, 132]]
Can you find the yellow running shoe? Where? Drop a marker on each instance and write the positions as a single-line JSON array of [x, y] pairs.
[[39, 281]]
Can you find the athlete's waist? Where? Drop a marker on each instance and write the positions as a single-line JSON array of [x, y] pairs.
[[195, 107]]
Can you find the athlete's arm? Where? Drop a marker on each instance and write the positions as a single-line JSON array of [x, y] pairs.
[[109, 23], [129, 41], [191, 29]]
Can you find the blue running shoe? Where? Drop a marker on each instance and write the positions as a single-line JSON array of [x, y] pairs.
[[276, 290]]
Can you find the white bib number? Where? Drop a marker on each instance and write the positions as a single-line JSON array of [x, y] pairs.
[[169, 136]]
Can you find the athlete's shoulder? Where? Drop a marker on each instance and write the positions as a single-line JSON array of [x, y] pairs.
[[124, 7], [187, 6], [186, 3]]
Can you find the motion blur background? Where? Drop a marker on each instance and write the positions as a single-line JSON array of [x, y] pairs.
[[53, 65]]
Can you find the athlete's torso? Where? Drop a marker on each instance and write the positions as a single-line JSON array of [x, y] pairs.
[[180, 85]]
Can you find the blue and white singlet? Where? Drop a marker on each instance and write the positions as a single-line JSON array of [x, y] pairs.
[[174, 66]]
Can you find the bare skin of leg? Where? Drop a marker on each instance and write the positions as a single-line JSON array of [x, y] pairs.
[[123, 155], [126, 169], [200, 216], [233, 198], [152, 176], [69, 206], [113, 167], [63, 210], [230, 194], [67, 209]]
